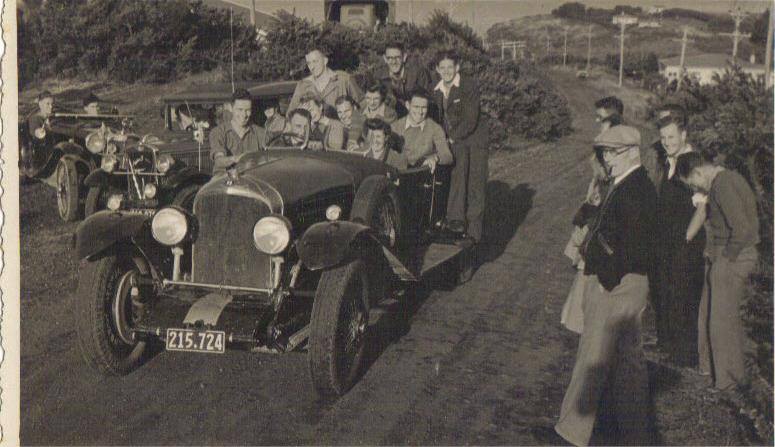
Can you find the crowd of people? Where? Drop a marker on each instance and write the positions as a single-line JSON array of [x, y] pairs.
[[401, 118], [664, 224]]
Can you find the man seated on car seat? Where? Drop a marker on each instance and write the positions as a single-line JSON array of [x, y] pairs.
[[326, 133], [38, 122], [238, 136], [379, 143], [352, 120], [297, 128], [275, 123], [424, 141]]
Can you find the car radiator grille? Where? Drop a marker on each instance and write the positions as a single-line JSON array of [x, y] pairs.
[[223, 251], [190, 158]]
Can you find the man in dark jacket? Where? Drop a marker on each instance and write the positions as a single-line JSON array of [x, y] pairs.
[[401, 76], [457, 99], [610, 363]]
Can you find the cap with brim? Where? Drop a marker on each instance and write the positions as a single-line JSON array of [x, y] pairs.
[[617, 137]]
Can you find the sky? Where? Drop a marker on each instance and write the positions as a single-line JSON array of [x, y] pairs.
[[484, 13]]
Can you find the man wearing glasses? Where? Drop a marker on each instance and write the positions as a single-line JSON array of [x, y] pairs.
[[401, 76], [610, 364]]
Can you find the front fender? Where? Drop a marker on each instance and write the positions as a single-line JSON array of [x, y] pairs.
[[327, 244], [104, 229], [98, 177]]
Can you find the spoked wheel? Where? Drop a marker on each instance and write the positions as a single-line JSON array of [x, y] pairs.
[[68, 190], [339, 323], [106, 311]]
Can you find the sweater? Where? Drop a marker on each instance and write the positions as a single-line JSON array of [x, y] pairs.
[[733, 220]]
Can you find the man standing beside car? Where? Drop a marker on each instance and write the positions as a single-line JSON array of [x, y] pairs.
[[457, 99], [401, 76], [324, 82], [237, 136]]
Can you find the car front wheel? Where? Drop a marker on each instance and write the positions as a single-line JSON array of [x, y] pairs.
[[106, 310], [68, 185], [338, 326]]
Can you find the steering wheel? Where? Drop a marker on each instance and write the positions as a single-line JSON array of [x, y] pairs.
[[280, 137]]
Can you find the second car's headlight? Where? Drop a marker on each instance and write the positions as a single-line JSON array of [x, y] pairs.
[[95, 142], [108, 163], [164, 163], [271, 235], [169, 226]]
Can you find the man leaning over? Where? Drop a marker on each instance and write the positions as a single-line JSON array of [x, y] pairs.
[[237, 136]]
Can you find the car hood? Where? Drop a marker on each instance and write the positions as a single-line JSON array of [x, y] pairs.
[[296, 175]]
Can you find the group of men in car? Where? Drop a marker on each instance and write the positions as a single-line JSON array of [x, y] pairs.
[[402, 119]]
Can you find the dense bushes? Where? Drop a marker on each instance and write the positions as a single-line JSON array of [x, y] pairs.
[[153, 40], [733, 119]]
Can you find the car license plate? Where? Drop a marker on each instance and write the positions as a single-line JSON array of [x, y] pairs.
[[196, 341], [144, 211]]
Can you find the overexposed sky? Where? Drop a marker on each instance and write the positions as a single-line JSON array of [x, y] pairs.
[[484, 13]]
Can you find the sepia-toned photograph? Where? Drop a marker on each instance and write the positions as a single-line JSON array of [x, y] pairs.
[[388, 222]]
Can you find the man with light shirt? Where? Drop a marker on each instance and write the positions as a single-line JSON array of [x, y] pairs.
[[424, 142], [237, 136], [323, 82], [610, 362], [731, 256]]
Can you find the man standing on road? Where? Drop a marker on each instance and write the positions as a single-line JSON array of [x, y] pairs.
[[238, 136], [731, 256], [457, 99], [325, 83], [38, 122], [424, 142], [610, 369], [401, 76]]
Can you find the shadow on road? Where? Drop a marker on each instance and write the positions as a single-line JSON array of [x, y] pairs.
[[506, 209]]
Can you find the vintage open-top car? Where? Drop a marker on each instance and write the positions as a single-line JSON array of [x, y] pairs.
[[170, 167], [286, 250], [64, 154]]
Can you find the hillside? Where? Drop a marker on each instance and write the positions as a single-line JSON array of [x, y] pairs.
[[663, 41]]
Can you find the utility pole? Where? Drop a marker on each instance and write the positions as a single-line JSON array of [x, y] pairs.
[[684, 41], [768, 52], [548, 43], [253, 13], [589, 47], [622, 20], [565, 47], [738, 16]]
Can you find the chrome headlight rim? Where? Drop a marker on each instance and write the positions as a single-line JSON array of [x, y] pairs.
[[163, 163], [108, 163], [170, 226], [149, 190], [272, 234], [95, 142]]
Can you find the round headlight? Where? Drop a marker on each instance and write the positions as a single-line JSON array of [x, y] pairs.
[[271, 235], [114, 202], [95, 142], [333, 212], [108, 163], [169, 226], [149, 191], [163, 163]]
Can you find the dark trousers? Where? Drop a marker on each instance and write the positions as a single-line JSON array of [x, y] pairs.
[[468, 184]]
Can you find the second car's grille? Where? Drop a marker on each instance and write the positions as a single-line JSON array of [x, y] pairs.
[[192, 158], [223, 250]]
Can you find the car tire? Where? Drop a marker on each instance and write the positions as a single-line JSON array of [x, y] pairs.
[[104, 292], [338, 329], [68, 186], [376, 205], [96, 200], [185, 197]]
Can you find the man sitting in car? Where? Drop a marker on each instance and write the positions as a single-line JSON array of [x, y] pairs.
[[91, 104], [275, 123], [238, 136], [374, 105], [38, 122], [352, 120], [424, 141], [326, 133], [379, 143], [298, 128]]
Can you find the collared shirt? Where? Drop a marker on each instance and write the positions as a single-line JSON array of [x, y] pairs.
[[671, 161], [225, 140], [619, 178], [322, 81], [422, 140], [383, 112], [36, 121], [444, 89]]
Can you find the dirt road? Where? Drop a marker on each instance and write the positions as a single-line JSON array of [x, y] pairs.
[[485, 363]]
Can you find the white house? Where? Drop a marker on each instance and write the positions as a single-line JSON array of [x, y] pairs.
[[702, 67]]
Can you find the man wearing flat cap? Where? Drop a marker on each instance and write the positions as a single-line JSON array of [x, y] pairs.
[[610, 370], [91, 104]]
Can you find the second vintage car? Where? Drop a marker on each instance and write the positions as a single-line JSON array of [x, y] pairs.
[[170, 166]]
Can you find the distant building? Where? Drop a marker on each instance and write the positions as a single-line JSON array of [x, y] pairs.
[[702, 67], [364, 14]]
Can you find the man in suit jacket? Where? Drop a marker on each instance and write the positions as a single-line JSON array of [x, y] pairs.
[[401, 76], [457, 99], [323, 82], [610, 363]]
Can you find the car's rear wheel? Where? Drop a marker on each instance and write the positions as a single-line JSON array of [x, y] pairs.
[[106, 310], [376, 205], [68, 183], [338, 327]]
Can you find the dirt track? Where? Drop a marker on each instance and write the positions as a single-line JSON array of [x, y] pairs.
[[485, 363]]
